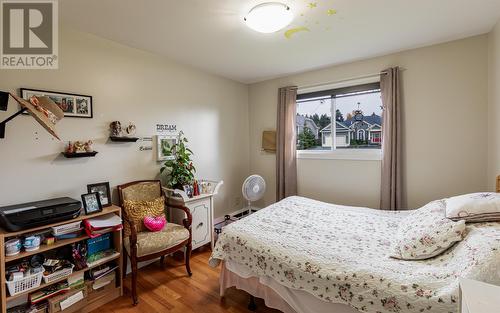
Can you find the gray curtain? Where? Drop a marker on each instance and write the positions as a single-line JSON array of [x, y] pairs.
[[286, 163], [390, 193]]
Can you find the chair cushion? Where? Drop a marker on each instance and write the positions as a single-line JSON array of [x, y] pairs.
[[152, 242], [136, 211]]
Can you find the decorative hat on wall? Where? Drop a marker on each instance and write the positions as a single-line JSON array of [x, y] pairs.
[[43, 110]]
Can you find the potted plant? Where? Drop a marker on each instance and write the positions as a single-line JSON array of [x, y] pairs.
[[180, 168]]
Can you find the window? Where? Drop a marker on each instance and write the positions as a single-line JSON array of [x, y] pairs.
[[357, 127]]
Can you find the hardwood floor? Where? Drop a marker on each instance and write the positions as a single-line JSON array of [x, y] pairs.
[[169, 289]]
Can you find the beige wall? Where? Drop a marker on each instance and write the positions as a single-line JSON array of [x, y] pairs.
[[494, 105], [445, 104], [445, 127], [126, 85]]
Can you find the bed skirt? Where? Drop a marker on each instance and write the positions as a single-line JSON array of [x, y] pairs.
[[275, 296]]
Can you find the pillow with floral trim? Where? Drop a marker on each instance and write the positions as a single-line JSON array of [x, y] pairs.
[[426, 233], [474, 207]]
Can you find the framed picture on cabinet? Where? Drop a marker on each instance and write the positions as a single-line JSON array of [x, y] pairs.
[[104, 192], [91, 203]]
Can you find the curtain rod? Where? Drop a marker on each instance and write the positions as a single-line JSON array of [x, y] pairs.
[[347, 79]]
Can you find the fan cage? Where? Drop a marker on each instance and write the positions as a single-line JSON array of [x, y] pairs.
[[249, 185]]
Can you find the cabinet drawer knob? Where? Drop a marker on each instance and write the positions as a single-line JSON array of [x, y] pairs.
[[199, 225]]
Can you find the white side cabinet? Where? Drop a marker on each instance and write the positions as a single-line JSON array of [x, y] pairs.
[[479, 297], [202, 211]]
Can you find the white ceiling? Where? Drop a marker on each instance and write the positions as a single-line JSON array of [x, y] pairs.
[[211, 35]]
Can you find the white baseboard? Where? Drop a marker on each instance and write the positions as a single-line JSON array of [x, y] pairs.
[[220, 219]]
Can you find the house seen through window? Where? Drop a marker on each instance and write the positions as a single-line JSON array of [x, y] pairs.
[[356, 113]]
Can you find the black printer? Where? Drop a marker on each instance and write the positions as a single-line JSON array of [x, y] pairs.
[[33, 214]]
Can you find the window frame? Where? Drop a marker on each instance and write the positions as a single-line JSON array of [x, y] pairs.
[[336, 91]]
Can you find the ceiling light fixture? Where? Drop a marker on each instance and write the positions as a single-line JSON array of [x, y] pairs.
[[269, 17]]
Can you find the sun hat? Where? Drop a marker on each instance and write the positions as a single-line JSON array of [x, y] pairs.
[[44, 110]]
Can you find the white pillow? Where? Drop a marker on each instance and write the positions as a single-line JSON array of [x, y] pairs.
[[474, 207], [426, 233]]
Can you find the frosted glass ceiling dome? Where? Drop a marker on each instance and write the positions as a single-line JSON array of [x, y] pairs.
[[269, 17]]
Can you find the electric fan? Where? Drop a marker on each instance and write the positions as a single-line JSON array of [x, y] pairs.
[[253, 189]]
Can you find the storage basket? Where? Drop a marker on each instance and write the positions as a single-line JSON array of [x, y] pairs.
[[98, 244], [25, 284], [65, 272]]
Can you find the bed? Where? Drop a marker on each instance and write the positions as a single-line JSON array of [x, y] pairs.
[[302, 255]]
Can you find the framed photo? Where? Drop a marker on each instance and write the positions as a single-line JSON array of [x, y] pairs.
[[163, 144], [188, 189], [72, 105], [104, 192], [91, 203]]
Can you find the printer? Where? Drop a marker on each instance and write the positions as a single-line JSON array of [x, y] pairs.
[[33, 214]]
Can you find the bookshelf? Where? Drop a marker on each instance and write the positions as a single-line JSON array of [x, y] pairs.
[[98, 300]]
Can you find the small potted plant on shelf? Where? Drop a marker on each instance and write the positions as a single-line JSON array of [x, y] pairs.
[[180, 169]]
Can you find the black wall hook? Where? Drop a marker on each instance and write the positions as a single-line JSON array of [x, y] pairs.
[[4, 101]]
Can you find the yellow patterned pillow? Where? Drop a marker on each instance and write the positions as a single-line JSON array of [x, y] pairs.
[[136, 211]]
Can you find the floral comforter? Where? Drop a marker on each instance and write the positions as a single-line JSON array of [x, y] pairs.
[[340, 254]]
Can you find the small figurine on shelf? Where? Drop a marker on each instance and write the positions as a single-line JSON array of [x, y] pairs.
[[206, 187], [88, 146], [116, 129], [130, 130], [70, 148], [196, 188], [79, 147]]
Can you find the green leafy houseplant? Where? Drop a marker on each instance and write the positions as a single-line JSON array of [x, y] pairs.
[[180, 169]]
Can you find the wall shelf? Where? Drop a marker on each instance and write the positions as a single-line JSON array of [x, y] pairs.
[[79, 154], [123, 139]]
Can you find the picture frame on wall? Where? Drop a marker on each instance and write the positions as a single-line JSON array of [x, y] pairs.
[[163, 143], [104, 192], [73, 105], [91, 203]]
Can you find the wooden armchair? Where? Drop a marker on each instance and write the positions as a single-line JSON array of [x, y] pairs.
[[144, 245]]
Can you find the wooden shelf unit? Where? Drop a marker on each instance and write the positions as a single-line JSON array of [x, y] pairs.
[[91, 305]]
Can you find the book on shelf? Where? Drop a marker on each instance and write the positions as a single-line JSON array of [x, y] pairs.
[[102, 271], [50, 291], [69, 235], [101, 257]]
